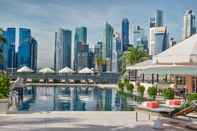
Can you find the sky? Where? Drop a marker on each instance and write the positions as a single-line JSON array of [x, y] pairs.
[[45, 17]]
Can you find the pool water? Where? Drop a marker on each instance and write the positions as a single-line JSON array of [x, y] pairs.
[[74, 99]]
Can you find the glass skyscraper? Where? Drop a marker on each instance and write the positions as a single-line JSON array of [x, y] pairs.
[[107, 47], [159, 18], [125, 34], [9, 49], [33, 52], [80, 36], [189, 27], [63, 40], [24, 54]]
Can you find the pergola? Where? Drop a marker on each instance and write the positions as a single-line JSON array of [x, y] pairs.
[[179, 60]]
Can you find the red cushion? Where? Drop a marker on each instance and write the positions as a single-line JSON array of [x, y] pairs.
[[175, 102], [153, 104]]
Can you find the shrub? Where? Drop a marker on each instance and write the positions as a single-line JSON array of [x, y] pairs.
[[126, 82], [121, 86], [192, 96], [4, 86], [141, 90], [130, 88], [168, 93], [152, 92]]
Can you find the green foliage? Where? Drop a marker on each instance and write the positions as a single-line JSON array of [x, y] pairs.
[[130, 88], [152, 92], [192, 96], [168, 93], [4, 86], [141, 90], [121, 86], [126, 82]]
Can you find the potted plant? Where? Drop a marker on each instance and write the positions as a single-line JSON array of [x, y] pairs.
[[130, 88], [168, 93], [4, 93], [152, 92], [192, 96], [140, 90], [121, 86]]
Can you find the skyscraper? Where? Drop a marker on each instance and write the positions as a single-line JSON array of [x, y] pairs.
[[139, 39], [80, 36], [9, 49], [82, 55], [24, 54], [33, 52], [108, 45], [125, 34], [159, 18], [158, 40], [189, 27], [63, 40]]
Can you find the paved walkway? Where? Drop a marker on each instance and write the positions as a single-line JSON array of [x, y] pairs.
[[79, 121]]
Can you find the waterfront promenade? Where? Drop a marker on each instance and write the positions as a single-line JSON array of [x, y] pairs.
[[80, 121]]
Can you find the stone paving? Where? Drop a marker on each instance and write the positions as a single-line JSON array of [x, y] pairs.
[[79, 121]]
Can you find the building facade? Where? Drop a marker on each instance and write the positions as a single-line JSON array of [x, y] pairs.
[[125, 34], [82, 55], [158, 40], [62, 57], [34, 52], [107, 47], [80, 36], [24, 55], [189, 27]]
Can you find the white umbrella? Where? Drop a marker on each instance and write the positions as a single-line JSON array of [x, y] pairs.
[[86, 70], [25, 69], [66, 70], [46, 70]]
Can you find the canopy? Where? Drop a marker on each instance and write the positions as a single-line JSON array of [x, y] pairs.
[[179, 59], [86, 70], [184, 52], [25, 69], [46, 70], [66, 70]]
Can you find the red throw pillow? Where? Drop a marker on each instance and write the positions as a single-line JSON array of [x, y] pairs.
[[153, 104]]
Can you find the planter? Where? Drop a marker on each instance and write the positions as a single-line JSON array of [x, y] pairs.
[[3, 106]]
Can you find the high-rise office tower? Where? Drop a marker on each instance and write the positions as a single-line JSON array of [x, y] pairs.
[[98, 56], [82, 55], [119, 47], [189, 27], [125, 34], [9, 49], [33, 52], [139, 39], [158, 40], [159, 18], [63, 40], [107, 46], [80, 36], [24, 55], [91, 61]]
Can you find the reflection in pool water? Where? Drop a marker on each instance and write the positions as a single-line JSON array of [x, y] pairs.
[[74, 99]]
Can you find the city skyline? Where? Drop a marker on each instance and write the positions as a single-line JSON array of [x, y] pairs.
[[45, 17]]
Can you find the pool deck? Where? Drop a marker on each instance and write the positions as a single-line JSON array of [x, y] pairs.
[[79, 121]]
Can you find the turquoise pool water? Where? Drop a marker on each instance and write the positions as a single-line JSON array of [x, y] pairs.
[[74, 99]]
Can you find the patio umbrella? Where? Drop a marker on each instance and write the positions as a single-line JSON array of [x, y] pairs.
[[66, 70], [46, 70], [86, 70], [25, 69]]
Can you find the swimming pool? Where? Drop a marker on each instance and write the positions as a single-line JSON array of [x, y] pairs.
[[74, 99]]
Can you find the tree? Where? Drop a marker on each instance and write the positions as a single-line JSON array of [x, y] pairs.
[[2, 41], [134, 55]]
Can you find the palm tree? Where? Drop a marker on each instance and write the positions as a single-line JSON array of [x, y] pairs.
[[2, 41], [133, 56]]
